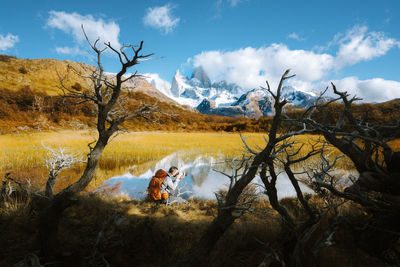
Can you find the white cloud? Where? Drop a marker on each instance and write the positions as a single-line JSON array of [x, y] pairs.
[[250, 67], [73, 51], [8, 41], [70, 23], [162, 85], [372, 90], [221, 4], [231, 3], [295, 36], [360, 45], [161, 18], [234, 3]]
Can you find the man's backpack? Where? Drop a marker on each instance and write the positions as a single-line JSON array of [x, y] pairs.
[[154, 189]]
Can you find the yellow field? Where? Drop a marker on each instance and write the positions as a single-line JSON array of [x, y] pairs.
[[23, 155]]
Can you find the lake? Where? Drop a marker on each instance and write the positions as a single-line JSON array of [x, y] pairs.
[[203, 178]]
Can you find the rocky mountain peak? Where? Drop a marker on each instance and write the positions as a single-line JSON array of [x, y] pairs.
[[201, 76], [229, 99], [178, 84], [206, 105]]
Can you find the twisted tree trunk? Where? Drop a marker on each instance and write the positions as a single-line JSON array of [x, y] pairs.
[[106, 96], [49, 217]]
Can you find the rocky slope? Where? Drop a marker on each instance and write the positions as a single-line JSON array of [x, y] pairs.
[[43, 76]]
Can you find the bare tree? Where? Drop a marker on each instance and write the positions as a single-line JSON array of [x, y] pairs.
[[300, 238], [106, 95], [258, 162], [377, 188], [56, 161]]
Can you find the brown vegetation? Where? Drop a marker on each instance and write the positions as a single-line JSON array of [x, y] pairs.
[[41, 75], [25, 109], [147, 234], [32, 111]]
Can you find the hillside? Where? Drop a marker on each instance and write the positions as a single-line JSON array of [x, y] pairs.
[[25, 110], [43, 76], [30, 100], [38, 74]]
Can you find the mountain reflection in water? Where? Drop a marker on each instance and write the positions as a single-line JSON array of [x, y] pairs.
[[202, 179]]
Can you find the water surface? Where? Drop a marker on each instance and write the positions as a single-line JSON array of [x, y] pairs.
[[203, 179]]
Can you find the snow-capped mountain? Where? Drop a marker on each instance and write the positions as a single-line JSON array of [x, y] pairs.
[[257, 103], [298, 98], [192, 91], [228, 99]]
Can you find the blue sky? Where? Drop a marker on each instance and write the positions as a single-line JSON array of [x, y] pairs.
[[356, 44]]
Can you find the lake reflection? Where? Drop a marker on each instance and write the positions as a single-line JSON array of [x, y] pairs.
[[202, 180]]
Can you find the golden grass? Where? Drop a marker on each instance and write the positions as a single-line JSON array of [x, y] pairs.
[[26, 150], [23, 155], [39, 74], [395, 144]]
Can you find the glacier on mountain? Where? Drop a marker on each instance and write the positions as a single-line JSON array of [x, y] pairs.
[[227, 99]]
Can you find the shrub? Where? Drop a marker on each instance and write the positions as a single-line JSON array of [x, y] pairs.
[[23, 70], [77, 86], [6, 58]]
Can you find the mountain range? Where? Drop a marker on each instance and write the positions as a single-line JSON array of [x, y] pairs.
[[228, 99]]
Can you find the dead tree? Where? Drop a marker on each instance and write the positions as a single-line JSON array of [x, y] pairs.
[[106, 94], [377, 187], [55, 163], [300, 238], [228, 210]]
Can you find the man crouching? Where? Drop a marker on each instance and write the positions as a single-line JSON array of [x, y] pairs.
[[162, 186]]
